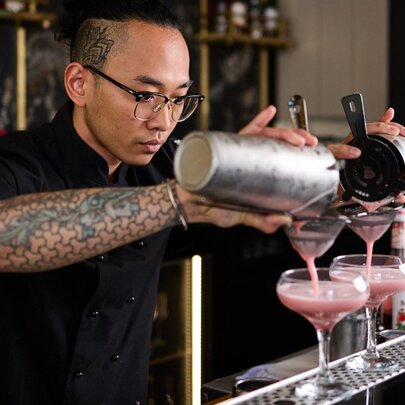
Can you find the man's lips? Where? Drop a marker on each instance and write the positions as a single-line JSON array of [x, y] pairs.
[[151, 146]]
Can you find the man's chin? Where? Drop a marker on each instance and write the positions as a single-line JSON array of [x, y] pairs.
[[139, 161]]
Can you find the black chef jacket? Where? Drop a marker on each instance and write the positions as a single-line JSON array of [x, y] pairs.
[[78, 335]]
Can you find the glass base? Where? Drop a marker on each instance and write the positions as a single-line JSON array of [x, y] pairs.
[[317, 390], [368, 363]]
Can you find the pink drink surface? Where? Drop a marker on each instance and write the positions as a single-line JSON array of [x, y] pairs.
[[332, 303], [384, 283], [373, 206]]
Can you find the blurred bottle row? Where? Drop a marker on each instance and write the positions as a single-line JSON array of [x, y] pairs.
[[18, 6], [254, 17]]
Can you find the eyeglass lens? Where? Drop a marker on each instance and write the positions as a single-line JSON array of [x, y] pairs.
[[149, 106]]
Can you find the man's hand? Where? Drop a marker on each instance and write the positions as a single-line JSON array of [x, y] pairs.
[[199, 210], [384, 126], [259, 126]]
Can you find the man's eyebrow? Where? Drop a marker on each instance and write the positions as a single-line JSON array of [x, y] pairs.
[[158, 83]]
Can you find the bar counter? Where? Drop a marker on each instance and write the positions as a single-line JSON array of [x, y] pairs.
[[368, 388]]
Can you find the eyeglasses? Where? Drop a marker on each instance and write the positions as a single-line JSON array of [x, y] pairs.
[[149, 104]]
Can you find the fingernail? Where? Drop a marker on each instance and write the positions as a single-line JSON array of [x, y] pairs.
[[393, 129], [354, 152]]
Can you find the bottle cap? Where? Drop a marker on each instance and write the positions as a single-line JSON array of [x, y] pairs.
[[400, 216]]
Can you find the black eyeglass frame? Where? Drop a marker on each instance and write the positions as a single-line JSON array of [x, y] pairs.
[[139, 95]]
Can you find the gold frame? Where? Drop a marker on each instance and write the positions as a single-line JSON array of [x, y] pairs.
[[21, 19]]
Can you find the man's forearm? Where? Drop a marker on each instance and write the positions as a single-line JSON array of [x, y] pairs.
[[48, 230]]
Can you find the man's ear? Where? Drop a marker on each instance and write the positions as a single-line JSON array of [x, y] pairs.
[[75, 85]]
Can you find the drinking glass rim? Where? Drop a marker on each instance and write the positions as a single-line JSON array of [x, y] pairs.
[[285, 276], [304, 270], [364, 255], [337, 218]]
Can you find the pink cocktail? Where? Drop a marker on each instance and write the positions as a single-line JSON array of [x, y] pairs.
[[319, 309], [324, 306], [384, 284], [386, 276]]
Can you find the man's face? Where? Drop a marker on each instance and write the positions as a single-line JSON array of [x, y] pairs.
[[153, 59]]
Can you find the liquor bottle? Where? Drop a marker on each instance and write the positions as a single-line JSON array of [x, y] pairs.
[[238, 16], [398, 249], [221, 17], [270, 17], [14, 6], [255, 20]]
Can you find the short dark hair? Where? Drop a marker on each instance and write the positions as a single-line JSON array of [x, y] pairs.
[[81, 16]]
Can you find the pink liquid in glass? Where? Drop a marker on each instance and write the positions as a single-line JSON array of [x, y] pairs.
[[370, 230], [375, 205], [384, 283], [331, 304]]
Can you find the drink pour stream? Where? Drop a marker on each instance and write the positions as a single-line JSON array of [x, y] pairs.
[[310, 237]]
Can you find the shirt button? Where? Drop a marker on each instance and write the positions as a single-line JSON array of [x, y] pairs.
[[101, 258], [115, 357], [78, 374], [140, 243], [131, 299], [94, 314]]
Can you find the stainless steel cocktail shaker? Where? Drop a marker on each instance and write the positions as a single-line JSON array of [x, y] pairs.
[[257, 173]]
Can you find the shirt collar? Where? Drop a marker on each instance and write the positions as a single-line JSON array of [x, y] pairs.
[[89, 167]]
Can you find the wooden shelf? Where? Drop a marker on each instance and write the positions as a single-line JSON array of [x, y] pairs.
[[27, 17], [207, 37], [237, 38]]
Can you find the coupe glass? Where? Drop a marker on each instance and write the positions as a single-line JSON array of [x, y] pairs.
[[324, 307], [370, 225], [312, 237], [386, 277]]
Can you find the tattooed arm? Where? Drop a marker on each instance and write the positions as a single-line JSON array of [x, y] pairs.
[[45, 231]]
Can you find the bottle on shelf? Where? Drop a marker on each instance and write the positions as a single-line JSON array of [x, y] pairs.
[[238, 15], [270, 17], [398, 249], [255, 19], [221, 17], [14, 6]]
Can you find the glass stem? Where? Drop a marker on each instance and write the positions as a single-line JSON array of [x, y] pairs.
[[371, 315], [324, 344]]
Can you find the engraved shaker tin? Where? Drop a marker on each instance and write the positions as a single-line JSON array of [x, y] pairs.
[[257, 173]]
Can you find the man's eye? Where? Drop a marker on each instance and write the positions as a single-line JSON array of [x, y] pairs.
[[148, 98], [179, 101]]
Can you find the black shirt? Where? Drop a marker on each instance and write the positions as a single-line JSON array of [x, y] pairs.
[[78, 335]]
